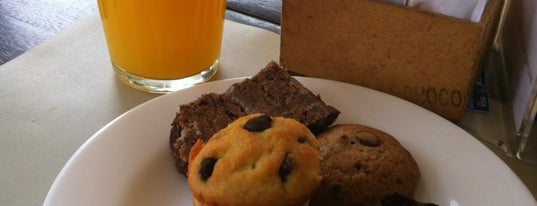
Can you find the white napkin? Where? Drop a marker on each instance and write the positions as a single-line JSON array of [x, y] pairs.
[[400, 2], [470, 10]]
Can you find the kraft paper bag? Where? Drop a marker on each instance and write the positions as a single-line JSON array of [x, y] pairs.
[[430, 59]]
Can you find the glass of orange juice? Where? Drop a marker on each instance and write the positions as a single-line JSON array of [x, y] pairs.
[[163, 45]]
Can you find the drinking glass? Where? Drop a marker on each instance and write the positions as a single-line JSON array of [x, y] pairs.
[[163, 45]]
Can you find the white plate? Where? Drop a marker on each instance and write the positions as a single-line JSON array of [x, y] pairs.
[[128, 162]]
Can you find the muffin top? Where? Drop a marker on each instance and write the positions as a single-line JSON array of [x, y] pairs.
[[256, 160]]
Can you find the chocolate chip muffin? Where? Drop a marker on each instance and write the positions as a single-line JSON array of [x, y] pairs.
[[362, 165], [256, 160]]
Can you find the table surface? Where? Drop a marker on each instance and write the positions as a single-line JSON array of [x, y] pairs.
[[59, 93]]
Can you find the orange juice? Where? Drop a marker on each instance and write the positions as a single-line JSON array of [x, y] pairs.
[[163, 39]]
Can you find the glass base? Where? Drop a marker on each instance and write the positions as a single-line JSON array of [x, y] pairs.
[[164, 86]]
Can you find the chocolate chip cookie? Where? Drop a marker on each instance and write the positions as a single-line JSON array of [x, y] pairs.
[[362, 165]]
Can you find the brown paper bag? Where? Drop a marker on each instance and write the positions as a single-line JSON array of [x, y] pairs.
[[429, 59]]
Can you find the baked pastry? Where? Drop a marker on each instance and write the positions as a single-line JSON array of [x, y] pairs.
[[199, 120], [256, 160], [272, 91], [362, 165]]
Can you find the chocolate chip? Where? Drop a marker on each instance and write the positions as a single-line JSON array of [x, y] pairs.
[[399, 199], [357, 166], [367, 139], [334, 189], [302, 140], [343, 139], [396, 199], [258, 124], [207, 167], [287, 167]]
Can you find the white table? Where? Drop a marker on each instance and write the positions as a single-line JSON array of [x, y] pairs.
[[58, 94]]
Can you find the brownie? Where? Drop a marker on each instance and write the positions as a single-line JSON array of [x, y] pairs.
[[272, 91], [199, 120]]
